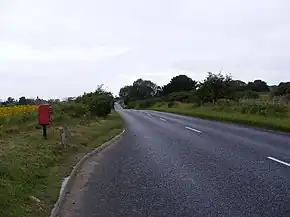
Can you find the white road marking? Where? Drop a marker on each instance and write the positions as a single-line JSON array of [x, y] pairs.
[[195, 130], [149, 115], [162, 119], [279, 161]]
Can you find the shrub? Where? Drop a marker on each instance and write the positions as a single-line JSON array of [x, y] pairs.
[[73, 109], [179, 96], [160, 104], [99, 103], [286, 98], [255, 107], [171, 104], [246, 95], [100, 106], [143, 104]]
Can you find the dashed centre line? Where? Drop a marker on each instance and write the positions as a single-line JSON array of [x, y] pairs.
[[162, 119], [192, 129], [279, 161]]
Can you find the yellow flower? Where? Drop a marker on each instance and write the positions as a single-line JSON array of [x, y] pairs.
[[17, 109]]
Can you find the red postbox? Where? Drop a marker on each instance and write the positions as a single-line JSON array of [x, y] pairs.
[[44, 114]]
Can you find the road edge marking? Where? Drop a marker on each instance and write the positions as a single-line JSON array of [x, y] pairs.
[[192, 129], [279, 161]]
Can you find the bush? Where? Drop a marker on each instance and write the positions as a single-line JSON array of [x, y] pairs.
[[132, 105], [286, 98], [171, 104], [185, 97], [100, 106], [255, 107], [98, 103], [73, 109], [179, 96], [160, 104], [246, 95], [143, 104]]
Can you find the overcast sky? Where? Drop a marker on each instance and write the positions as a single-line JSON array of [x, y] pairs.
[[59, 48]]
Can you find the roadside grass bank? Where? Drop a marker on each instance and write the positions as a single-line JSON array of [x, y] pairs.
[[32, 169], [210, 112]]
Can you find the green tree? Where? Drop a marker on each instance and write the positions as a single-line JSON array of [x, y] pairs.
[[258, 86], [99, 103], [140, 90], [238, 85], [178, 84], [22, 101], [144, 89], [10, 101], [184, 96], [125, 93], [283, 89], [215, 86]]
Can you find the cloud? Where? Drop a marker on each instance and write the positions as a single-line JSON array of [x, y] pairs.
[[73, 46], [18, 52]]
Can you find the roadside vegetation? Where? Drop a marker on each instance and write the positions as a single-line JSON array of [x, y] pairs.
[[217, 97], [31, 168]]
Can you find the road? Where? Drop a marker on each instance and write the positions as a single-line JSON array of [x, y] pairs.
[[171, 165]]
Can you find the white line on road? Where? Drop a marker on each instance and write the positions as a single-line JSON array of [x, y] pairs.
[[195, 130], [279, 161], [149, 115], [162, 119]]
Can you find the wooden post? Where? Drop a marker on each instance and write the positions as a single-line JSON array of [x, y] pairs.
[[64, 135], [44, 129]]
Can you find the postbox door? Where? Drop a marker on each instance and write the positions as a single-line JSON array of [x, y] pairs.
[[44, 114]]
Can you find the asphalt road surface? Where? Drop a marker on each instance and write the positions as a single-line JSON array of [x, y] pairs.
[[171, 165]]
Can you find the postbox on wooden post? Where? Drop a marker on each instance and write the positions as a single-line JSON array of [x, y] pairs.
[[44, 111]]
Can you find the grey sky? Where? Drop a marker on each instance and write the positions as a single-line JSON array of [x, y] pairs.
[[58, 48]]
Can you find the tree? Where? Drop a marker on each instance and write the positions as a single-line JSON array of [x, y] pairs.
[[215, 86], [124, 91], [258, 86], [99, 103], [184, 96], [238, 85], [141, 89], [10, 101], [53, 101], [178, 84], [144, 89], [283, 89], [22, 101]]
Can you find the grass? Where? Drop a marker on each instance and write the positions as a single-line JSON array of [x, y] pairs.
[[32, 166], [274, 123]]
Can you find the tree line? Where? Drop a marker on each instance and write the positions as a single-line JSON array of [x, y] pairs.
[[98, 103], [21, 101], [214, 87]]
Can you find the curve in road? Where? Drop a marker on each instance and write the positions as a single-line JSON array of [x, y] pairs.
[[171, 165]]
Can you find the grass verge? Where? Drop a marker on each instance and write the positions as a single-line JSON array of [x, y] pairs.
[[31, 167], [252, 120]]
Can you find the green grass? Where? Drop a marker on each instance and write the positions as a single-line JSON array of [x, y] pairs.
[[208, 113], [264, 96], [32, 166]]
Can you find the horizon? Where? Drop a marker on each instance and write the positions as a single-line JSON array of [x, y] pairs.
[[117, 94]]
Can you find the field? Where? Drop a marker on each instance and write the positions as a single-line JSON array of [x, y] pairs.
[[31, 168], [259, 113], [15, 115], [17, 110]]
